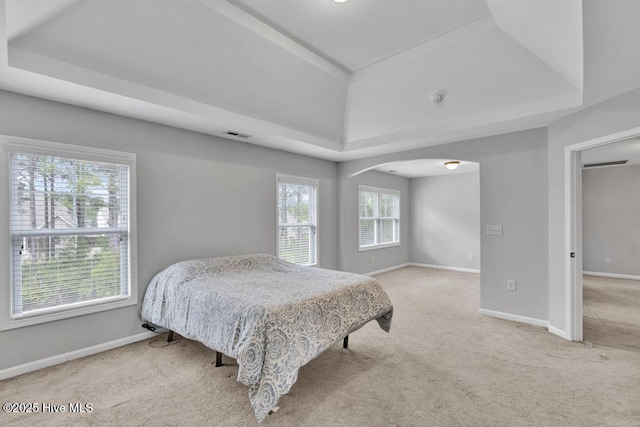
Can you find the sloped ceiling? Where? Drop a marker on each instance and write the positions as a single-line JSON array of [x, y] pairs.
[[335, 81], [28, 14], [357, 34]]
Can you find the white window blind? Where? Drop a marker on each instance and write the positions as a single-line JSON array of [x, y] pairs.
[[70, 232], [297, 219], [379, 214]]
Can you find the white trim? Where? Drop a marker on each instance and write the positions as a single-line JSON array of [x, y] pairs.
[[573, 244], [5, 239], [379, 246], [573, 232], [66, 312], [386, 270], [282, 178], [556, 331], [8, 144], [612, 275], [296, 180], [443, 267], [72, 151], [605, 140], [369, 189], [379, 191], [14, 371], [514, 317]]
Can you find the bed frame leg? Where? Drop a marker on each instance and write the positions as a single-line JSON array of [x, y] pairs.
[[345, 342], [218, 359], [170, 336]]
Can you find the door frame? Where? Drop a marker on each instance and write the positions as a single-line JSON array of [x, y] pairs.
[[573, 227]]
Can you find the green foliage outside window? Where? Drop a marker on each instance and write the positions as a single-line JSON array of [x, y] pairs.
[[57, 260], [297, 223], [92, 265]]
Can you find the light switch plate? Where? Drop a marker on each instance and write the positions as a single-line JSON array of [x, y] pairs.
[[495, 230]]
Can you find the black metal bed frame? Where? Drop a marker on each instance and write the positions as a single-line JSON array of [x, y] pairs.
[[345, 344]]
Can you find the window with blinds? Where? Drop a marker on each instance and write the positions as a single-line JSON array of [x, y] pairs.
[[297, 219], [379, 214], [70, 229]]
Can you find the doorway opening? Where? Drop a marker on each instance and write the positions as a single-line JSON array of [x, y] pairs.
[[575, 157], [441, 220]]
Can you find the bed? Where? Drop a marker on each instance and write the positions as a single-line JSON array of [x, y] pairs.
[[271, 316]]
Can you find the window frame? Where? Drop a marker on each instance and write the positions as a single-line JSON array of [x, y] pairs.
[[9, 144], [379, 192], [301, 180]]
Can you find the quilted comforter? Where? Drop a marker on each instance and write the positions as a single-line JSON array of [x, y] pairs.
[[271, 316]]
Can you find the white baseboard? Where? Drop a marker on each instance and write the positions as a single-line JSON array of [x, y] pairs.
[[515, 317], [385, 270], [76, 354], [612, 275], [557, 331], [442, 267]]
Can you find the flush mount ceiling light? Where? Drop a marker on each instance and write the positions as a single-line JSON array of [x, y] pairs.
[[340, 1], [451, 165]]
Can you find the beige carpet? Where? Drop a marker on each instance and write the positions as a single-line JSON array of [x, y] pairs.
[[442, 365], [611, 312]]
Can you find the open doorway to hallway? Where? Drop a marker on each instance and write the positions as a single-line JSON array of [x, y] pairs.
[[611, 244]]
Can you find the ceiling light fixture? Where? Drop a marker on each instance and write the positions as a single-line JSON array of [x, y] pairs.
[[340, 1], [451, 165]]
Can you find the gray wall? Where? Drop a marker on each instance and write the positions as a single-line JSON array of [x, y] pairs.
[[615, 115], [445, 220], [611, 219], [521, 188], [198, 196], [513, 193], [361, 262]]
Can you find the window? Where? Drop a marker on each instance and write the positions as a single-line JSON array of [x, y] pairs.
[[69, 229], [298, 219], [379, 217]]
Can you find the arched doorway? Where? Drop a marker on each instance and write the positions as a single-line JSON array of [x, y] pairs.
[[439, 217]]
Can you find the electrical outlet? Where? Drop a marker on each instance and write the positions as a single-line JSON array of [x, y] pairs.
[[607, 260], [511, 285], [373, 260], [470, 257], [495, 230]]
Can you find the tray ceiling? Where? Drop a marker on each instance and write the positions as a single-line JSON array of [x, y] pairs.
[[331, 80], [358, 33]]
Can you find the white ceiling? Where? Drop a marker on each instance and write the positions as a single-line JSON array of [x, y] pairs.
[[28, 14], [358, 33], [280, 71]]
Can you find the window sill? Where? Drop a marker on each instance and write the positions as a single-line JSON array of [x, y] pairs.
[[381, 246], [95, 307]]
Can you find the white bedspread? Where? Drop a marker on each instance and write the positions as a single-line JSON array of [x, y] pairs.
[[271, 316]]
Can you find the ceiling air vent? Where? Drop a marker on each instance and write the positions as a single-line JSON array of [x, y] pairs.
[[237, 134], [603, 164]]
